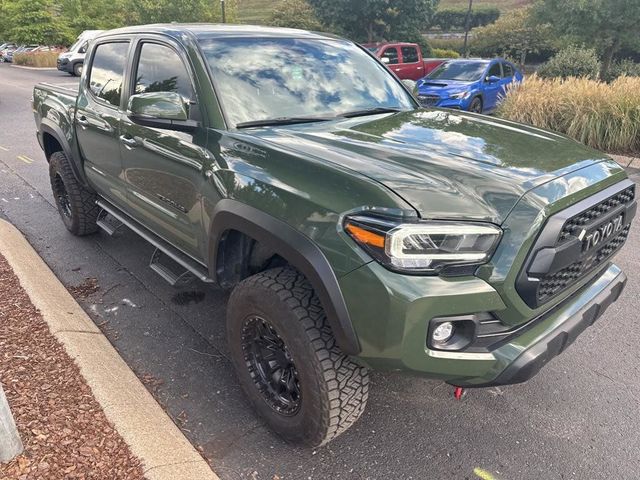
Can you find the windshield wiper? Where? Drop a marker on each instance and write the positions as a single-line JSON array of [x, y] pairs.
[[370, 111], [282, 121]]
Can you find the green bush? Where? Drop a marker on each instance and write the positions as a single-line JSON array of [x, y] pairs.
[[455, 18], [572, 61], [455, 44], [444, 53], [295, 14], [603, 115], [625, 67]]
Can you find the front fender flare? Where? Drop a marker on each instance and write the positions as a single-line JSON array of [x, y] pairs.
[[297, 249]]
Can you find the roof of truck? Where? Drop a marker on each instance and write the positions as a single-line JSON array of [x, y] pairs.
[[209, 30]]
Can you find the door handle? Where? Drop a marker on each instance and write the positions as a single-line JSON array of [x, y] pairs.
[[82, 120], [128, 142]]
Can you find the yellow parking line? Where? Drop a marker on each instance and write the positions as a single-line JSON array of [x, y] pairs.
[[4, 148], [25, 159], [483, 474]]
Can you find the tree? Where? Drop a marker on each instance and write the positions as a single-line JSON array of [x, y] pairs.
[[514, 34], [35, 21], [165, 11], [372, 20], [606, 25], [295, 14]]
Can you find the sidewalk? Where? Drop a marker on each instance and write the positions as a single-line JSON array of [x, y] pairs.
[[80, 410]]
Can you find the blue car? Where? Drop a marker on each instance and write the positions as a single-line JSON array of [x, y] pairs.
[[471, 84]]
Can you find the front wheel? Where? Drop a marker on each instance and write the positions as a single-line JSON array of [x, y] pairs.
[[476, 105], [295, 376], [77, 70]]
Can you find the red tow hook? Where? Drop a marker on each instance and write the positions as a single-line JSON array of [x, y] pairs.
[[459, 392]]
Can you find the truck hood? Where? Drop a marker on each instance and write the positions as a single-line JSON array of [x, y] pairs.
[[443, 163]]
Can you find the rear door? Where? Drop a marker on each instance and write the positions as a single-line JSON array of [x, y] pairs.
[[411, 67], [164, 168], [492, 90], [98, 115], [508, 72]]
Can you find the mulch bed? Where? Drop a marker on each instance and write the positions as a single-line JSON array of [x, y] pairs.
[[64, 431]]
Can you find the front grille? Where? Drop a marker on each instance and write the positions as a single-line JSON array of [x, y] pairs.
[[552, 284], [428, 99], [574, 225], [575, 242]]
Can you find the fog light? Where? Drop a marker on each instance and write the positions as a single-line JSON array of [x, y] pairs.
[[442, 332]]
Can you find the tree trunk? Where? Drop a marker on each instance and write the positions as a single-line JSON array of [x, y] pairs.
[[467, 27], [10, 443], [607, 58], [370, 33]]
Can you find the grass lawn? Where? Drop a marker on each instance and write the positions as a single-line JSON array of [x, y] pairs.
[[258, 11]]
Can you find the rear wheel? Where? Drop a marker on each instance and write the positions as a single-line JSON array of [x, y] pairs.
[[76, 205], [476, 105], [287, 360]]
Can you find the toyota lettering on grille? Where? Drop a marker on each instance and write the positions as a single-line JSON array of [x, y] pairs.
[[601, 233]]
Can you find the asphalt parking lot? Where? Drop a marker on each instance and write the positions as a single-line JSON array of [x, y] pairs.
[[577, 419]]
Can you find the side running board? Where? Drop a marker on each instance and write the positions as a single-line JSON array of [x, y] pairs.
[[164, 253]]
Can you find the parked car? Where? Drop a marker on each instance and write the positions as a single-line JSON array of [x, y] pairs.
[[6, 53], [475, 85], [19, 50], [72, 60], [404, 59], [356, 230]]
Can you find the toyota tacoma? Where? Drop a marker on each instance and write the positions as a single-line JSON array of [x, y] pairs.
[[355, 230]]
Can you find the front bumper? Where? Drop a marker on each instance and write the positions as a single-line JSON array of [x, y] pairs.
[[64, 65], [409, 303], [442, 102]]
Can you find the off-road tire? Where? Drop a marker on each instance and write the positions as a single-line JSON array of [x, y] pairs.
[[333, 388], [80, 213]]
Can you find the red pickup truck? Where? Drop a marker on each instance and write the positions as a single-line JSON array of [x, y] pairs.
[[404, 59]]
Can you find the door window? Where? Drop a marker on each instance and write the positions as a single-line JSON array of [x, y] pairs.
[[508, 70], [392, 54], [107, 71], [495, 70], [160, 69], [409, 54]]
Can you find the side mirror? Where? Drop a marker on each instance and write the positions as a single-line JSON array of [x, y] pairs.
[[160, 110], [493, 79], [385, 60]]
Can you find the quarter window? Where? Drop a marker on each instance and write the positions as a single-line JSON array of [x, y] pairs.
[[160, 69], [409, 54], [392, 54], [107, 71]]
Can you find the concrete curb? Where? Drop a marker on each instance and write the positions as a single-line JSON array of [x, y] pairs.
[[152, 436], [32, 68]]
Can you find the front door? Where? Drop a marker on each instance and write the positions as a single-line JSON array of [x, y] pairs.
[[492, 90], [164, 169], [98, 117]]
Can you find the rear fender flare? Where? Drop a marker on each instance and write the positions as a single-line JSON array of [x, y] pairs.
[[48, 127], [298, 250]]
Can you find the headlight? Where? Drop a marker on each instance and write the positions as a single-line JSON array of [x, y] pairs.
[[459, 95], [424, 247]]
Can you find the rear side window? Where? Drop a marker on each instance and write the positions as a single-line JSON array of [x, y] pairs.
[[160, 69], [508, 70], [409, 54], [107, 71], [392, 54]]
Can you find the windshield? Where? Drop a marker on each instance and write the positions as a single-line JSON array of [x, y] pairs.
[[461, 71], [271, 78]]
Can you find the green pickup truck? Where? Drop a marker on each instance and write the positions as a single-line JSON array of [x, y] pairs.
[[355, 230]]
